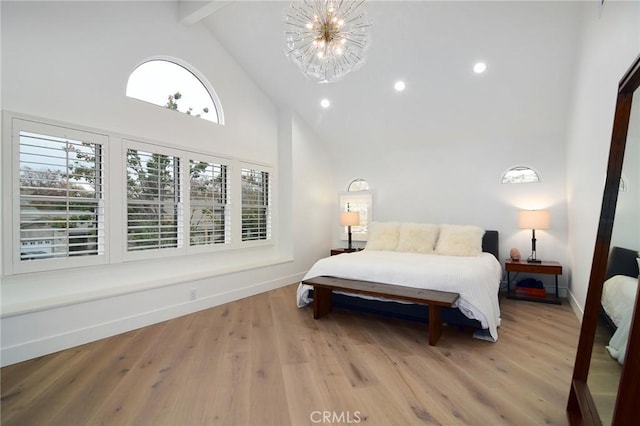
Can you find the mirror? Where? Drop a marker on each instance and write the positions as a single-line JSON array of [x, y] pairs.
[[606, 364], [612, 392]]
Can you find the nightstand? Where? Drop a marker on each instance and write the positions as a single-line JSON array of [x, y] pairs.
[[343, 250], [546, 267]]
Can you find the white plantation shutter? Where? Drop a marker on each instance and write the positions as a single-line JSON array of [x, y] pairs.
[[256, 205], [209, 220], [153, 201], [61, 197], [80, 197]]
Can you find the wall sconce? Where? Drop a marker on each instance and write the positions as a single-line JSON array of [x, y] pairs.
[[349, 219], [534, 219]]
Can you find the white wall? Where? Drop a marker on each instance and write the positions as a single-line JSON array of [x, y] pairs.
[[626, 226], [442, 162], [1, 133], [311, 185], [610, 42], [459, 182], [314, 189], [435, 176], [427, 174], [69, 62]]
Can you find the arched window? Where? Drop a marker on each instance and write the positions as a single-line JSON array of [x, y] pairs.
[[357, 199], [169, 84], [358, 185], [520, 174]]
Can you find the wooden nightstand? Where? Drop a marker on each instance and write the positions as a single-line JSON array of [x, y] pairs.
[[546, 267], [343, 250]]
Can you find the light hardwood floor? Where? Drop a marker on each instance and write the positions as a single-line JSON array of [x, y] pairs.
[[604, 373], [263, 361]]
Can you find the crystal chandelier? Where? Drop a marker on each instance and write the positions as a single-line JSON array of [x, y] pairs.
[[327, 39]]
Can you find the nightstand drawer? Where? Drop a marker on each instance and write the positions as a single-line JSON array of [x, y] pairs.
[[546, 267]]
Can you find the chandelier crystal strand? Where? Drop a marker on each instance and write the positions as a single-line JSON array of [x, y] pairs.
[[327, 39]]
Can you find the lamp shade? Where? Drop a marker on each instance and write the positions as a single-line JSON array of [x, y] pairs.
[[349, 218], [534, 219]]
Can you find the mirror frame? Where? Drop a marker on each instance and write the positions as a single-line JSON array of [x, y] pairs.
[[581, 408]]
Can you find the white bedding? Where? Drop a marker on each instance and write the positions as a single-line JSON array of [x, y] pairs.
[[618, 298], [475, 278]]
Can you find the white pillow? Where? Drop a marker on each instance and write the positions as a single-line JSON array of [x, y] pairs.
[[383, 236], [460, 240], [418, 237]]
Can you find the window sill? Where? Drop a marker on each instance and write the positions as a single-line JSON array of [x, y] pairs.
[[27, 293]]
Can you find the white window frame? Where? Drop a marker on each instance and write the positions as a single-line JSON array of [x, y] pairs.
[[197, 74], [361, 201], [13, 245], [269, 211], [356, 183]]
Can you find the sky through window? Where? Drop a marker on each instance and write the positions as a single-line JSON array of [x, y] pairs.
[[157, 82]]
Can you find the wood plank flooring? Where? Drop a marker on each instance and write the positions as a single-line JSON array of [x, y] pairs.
[[604, 373], [263, 361]]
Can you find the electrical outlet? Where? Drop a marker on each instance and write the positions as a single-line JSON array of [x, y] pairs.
[[193, 294]]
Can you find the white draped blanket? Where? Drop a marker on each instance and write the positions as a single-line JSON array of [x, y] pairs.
[[475, 278], [618, 299]]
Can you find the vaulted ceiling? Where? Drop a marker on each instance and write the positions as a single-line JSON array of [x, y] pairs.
[[529, 47]]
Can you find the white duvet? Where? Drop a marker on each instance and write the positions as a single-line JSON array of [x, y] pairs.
[[476, 278], [618, 299]]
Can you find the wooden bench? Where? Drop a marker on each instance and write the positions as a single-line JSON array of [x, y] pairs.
[[323, 287]]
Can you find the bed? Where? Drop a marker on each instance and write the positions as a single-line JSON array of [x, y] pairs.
[[618, 297], [476, 278]]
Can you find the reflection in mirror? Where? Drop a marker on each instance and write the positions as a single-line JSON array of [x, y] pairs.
[[581, 406], [619, 289]]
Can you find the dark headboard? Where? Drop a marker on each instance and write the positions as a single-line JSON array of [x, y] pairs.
[[622, 261], [490, 243]]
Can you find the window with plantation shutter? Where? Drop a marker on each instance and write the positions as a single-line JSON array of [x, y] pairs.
[[209, 203], [61, 197], [79, 197], [256, 205], [153, 201]]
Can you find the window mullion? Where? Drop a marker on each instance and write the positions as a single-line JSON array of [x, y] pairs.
[[184, 202]]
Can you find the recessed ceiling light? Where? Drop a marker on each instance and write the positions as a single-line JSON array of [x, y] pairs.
[[479, 67], [325, 103], [399, 86]]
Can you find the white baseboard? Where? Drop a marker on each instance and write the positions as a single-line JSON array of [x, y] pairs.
[[68, 339], [577, 309]]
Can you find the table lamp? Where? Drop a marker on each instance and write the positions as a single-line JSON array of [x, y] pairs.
[[534, 219], [349, 219]]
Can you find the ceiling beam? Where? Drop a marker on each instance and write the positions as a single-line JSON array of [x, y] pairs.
[[192, 11]]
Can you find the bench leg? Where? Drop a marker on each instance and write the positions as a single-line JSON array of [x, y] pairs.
[[322, 301], [435, 324]]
